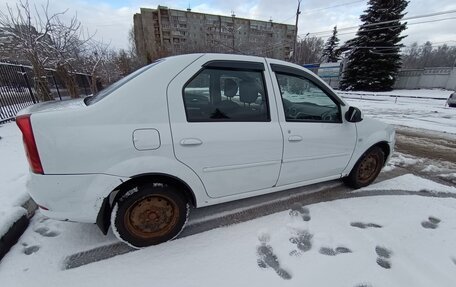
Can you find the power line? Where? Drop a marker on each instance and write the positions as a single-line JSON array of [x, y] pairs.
[[390, 27], [387, 22], [311, 11], [330, 7]]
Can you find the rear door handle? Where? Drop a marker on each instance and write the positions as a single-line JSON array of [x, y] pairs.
[[294, 138], [191, 142]]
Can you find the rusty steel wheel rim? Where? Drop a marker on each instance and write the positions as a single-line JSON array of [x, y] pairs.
[[152, 216], [368, 168]]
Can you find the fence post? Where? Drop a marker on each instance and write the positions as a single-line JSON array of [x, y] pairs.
[[57, 88], [24, 74], [88, 82]]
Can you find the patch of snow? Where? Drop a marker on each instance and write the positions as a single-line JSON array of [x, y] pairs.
[[449, 175], [401, 160], [14, 172], [432, 168], [8, 216], [410, 182]]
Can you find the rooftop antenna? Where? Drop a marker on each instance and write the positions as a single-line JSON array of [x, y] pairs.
[[189, 9], [270, 19], [232, 14]]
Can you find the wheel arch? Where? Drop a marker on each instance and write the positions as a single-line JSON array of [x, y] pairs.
[[385, 148], [383, 144], [104, 214]]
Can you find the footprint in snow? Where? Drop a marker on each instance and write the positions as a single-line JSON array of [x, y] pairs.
[[267, 259], [384, 263], [383, 252], [431, 223], [303, 242], [46, 232], [363, 225], [384, 257], [300, 210], [333, 252], [31, 249], [327, 251], [342, 249]]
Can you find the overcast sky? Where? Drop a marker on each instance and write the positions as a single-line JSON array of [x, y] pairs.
[[111, 19]]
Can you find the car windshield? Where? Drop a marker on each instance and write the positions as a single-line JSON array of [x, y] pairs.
[[107, 91]]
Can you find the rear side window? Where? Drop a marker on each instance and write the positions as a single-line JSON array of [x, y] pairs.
[[215, 95]]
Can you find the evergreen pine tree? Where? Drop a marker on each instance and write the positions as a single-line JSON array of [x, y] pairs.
[[374, 59], [331, 53]]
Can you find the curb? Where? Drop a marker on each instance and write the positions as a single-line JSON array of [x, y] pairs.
[[16, 230]]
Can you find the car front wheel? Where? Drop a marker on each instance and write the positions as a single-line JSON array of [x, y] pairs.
[[366, 169], [149, 214]]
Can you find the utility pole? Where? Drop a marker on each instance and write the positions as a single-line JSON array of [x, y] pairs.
[[296, 30], [234, 30]]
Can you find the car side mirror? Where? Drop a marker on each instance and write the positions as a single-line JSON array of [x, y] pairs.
[[353, 115]]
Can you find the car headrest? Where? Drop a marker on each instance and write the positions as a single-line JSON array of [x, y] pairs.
[[230, 89], [248, 91]]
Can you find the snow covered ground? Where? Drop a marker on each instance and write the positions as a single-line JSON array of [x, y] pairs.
[[13, 175], [420, 112], [386, 240]]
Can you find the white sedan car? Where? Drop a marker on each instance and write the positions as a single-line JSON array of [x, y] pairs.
[[192, 131]]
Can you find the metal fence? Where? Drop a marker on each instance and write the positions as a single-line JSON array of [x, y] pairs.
[[17, 88], [427, 78]]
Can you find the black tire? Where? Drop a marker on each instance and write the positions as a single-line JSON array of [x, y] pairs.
[[149, 215], [366, 169]]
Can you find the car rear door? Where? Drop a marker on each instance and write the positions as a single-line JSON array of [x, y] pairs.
[[224, 124], [318, 141]]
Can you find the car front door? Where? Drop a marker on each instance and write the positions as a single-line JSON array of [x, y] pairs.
[[223, 126], [318, 141]]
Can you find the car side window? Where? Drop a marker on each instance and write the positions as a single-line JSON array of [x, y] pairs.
[[304, 101], [215, 95]]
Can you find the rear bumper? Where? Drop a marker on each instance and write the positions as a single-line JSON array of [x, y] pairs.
[[72, 197]]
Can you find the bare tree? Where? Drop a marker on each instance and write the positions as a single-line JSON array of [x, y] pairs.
[[309, 50], [136, 61], [30, 30], [67, 41], [96, 55], [427, 55]]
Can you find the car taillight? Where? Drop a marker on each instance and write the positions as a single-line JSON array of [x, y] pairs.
[[25, 125]]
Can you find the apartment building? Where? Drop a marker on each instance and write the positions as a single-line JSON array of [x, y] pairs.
[[161, 32]]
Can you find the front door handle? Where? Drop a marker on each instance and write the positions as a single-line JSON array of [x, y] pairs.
[[294, 138], [191, 142]]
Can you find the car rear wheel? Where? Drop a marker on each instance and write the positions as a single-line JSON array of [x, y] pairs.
[[366, 169], [149, 214]]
